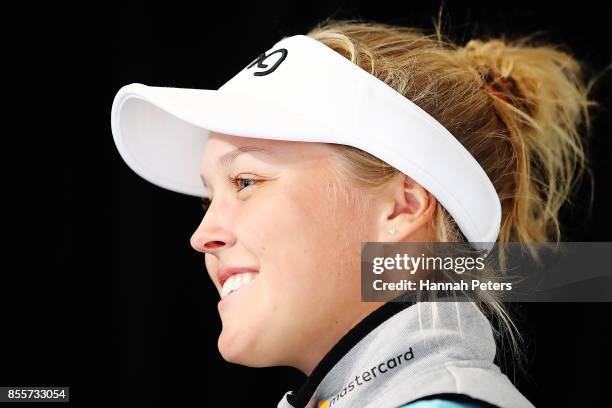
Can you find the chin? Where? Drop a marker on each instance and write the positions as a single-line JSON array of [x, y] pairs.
[[234, 347], [237, 348]]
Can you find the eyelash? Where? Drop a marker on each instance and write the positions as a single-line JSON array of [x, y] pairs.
[[235, 182], [205, 202]]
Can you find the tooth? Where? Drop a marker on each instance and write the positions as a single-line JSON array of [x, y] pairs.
[[225, 289], [228, 285], [247, 277], [235, 282]]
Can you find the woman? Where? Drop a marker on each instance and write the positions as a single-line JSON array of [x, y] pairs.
[[364, 132]]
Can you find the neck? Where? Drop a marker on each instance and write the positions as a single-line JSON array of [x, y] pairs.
[[316, 349], [380, 313]]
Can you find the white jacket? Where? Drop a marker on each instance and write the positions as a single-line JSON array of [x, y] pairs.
[[402, 352]]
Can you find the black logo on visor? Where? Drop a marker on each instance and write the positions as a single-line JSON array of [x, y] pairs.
[[262, 57]]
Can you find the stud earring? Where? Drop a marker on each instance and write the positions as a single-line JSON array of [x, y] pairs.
[[392, 231]]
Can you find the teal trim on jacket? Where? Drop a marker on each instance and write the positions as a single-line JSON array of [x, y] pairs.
[[439, 403]]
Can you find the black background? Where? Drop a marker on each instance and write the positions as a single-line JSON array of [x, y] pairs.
[[107, 295]]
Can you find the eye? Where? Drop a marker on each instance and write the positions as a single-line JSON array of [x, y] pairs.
[[240, 183]]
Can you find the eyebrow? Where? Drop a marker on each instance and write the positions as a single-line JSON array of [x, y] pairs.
[[225, 160]]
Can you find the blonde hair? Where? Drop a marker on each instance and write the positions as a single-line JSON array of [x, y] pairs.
[[527, 137]]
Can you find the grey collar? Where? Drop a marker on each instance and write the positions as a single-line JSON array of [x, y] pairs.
[[404, 351]]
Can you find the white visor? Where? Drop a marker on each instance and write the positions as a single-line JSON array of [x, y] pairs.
[[302, 90]]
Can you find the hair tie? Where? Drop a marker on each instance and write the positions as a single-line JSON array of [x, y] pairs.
[[500, 94]]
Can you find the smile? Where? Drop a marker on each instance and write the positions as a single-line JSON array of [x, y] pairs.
[[236, 281]]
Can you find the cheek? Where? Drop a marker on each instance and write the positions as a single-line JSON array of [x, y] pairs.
[[315, 249]]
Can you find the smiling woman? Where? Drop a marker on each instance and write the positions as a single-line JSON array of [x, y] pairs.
[[237, 231], [364, 132]]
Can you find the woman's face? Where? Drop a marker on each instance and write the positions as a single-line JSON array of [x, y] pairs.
[[303, 239]]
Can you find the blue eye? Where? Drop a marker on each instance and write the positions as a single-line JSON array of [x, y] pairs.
[[237, 182]]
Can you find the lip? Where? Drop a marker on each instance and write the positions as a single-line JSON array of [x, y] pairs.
[[224, 273]]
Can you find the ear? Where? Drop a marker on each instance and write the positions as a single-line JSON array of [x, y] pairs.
[[408, 208]]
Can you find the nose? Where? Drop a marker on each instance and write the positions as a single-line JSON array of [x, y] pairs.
[[211, 236]]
